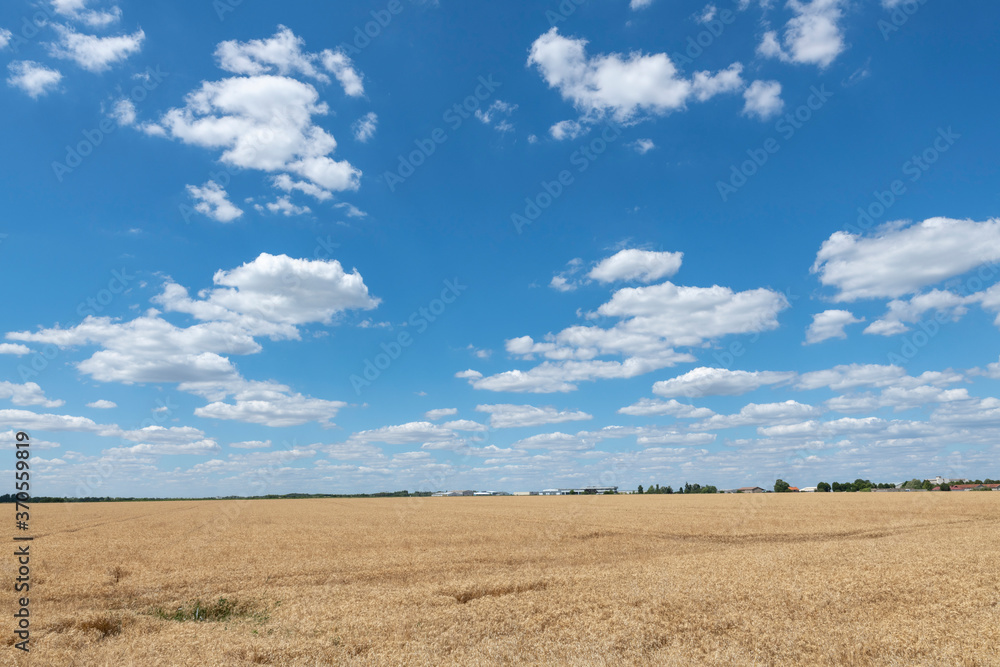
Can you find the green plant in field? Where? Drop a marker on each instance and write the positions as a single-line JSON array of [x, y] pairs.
[[223, 609]]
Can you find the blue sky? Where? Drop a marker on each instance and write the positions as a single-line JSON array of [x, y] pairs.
[[264, 248]]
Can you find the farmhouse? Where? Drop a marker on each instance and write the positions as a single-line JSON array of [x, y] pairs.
[[750, 489]]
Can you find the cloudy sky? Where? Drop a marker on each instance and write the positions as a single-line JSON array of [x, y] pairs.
[[273, 247]]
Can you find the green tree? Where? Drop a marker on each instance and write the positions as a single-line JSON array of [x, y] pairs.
[[946, 487], [781, 486], [669, 489], [639, 490], [708, 489], [823, 487]]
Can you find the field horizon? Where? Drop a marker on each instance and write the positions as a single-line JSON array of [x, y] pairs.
[[830, 579]]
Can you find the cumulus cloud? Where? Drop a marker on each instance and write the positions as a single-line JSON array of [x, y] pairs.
[[642, 265], [643, 146], [505, 415], [650, 322], [812, 36], [624, 87], [200, 448], [270, 404], [28, 393], [123, 112], [212, 201], [5, 36], [440, 413], [898, 260], [651, 407], [263, 118], [102, 404], [762, 99], [830, 324], [14, 348], [402, 434], [270, 296], [706, 381], [33, 78], [902, 312], [497, 115], [754, 414], [251, 444], [93, 53]]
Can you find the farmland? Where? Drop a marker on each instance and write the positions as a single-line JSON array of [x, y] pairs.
[[819, 579]]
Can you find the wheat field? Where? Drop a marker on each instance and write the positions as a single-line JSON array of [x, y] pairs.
[[817, 579]]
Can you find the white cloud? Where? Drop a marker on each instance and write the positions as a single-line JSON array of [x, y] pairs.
[[272, 405], [403, 434], [652, 320], [706, 381], [162, 435], [28, 393], [364, 127], [289, 184], [566, 129], [284, 206], [754, 414], [263, 119], [5, 36], [849, 376], [643, 146], [705, 86], [77, 11], [33, 78], [505, 415], [639, 4], [31, 421], [273, 293], [554, 441], [14, 348], [212, 201], [123, 111], [642, 265], [812, 36], [440, 413], [899, 260], [93, 53], [102, 404], [251, 444], [464, 425], [624, 87], [707, 14], [907, 311], [342, 68], [830, 324], [763, 100], [200, 448], [499, 111], [650, 407]]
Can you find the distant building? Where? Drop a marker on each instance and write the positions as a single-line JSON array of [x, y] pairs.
[[808, 489], [749, 489]]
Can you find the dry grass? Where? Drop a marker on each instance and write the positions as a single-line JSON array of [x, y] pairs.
[[825, 579]]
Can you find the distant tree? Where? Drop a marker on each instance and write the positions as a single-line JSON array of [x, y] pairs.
[[695, 488], [946, 487], [781, 486], [708, 489], [687, 488], [823, 487], [669, 489], [927, 485], [639, 490], [859, 484]]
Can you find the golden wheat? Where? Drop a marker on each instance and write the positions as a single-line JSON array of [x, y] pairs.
[[817, 579]]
